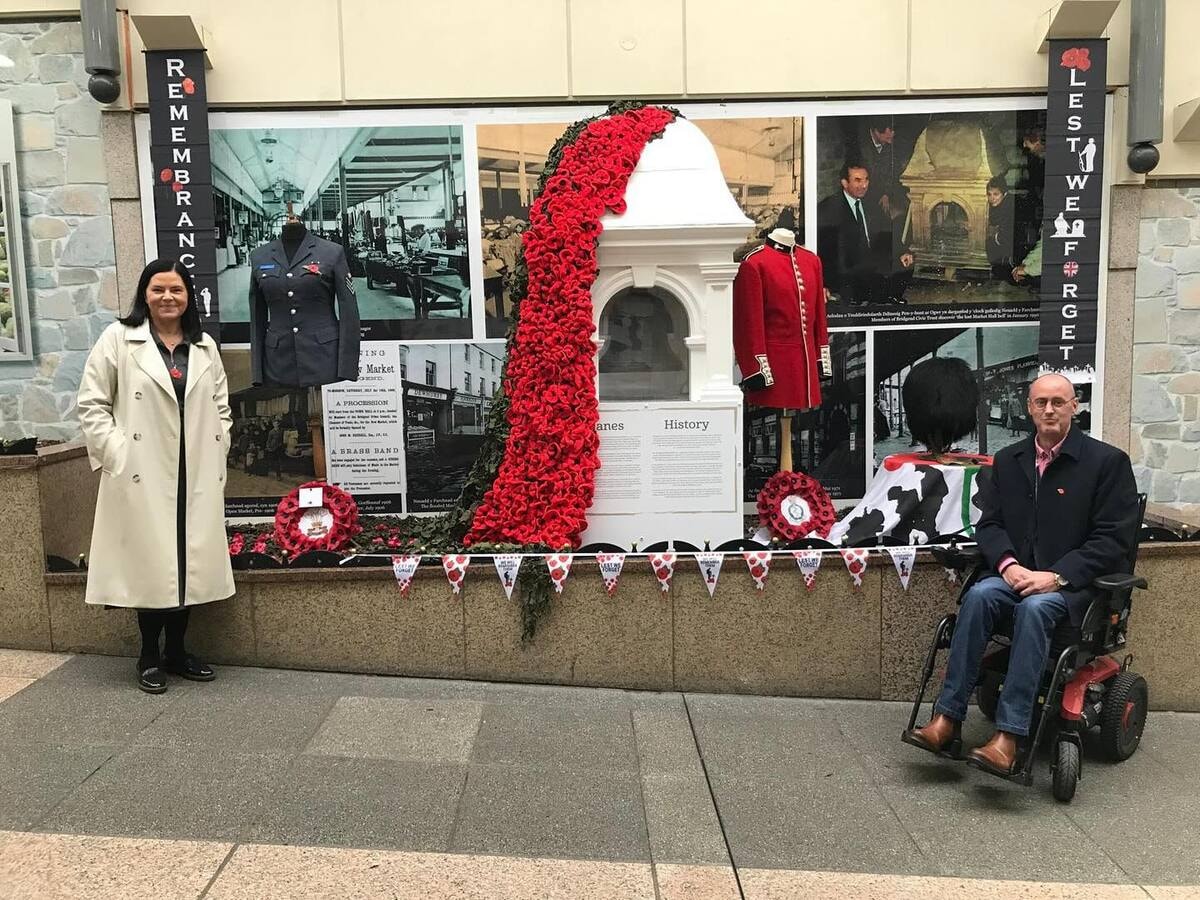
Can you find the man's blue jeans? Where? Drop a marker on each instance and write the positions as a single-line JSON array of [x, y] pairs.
[[989, 606]]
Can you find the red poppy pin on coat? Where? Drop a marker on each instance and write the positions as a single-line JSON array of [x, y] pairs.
[[1061, 491], [315, 268]]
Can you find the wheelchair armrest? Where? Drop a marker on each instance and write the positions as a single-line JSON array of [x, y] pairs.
[[959, 558], [1120, 582]]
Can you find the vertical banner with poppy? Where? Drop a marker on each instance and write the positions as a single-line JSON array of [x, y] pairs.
[[179, 153], [1074, 198]]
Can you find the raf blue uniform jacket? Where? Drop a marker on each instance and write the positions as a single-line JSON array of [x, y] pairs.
[[296, 339]]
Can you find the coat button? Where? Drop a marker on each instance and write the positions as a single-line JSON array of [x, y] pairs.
[[137, 435], [137, 395], [218, 437], [293, 311], [294, 330], [291, 293], [289, 274], [137, 478], [214, 396]]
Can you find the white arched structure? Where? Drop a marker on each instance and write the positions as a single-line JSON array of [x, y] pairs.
[[679, 230], [659, 478]]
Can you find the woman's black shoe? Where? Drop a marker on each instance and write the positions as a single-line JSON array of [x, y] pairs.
[[190, 668], [152, 680]]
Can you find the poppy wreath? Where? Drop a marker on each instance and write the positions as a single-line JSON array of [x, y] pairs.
[[344, 525], [793, 505], [546, 476]]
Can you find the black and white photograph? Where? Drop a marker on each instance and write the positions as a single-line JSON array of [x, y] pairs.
[[392, 197], [933, 217], [277, 440], [447, 392], [761, 159], [829, 443], [1004, 360]]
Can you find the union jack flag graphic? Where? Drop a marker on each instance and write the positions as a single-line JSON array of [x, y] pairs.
[[1071, 269]]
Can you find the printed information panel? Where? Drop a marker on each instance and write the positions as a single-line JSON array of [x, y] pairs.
[[666, 458], [364, 425]]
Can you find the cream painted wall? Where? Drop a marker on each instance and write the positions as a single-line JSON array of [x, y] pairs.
[[992, 45], [334, 52], [1182, 84]]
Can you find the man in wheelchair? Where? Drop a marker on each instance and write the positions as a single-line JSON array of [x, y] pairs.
[[1061, 511]]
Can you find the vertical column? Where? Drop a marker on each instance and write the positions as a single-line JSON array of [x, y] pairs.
[[716, 381]]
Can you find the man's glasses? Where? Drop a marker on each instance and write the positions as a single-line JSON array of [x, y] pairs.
[[1055, 402]]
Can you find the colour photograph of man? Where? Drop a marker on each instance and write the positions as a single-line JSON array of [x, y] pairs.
[[930, 217]]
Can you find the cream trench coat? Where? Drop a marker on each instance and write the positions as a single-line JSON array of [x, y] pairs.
[[130, 420]]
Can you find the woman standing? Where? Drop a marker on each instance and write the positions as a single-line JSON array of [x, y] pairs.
[[154, 410]]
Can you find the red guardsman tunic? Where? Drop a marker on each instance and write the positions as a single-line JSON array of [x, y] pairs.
[[775, 332]]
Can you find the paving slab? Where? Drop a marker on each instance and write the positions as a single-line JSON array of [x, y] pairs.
[[226, 721], [29, 663], [556, 737], [427, 731], [155, 792], [783, 884], [76, 867], [360, 803], [538, 811], [258, 872], [815, 821], [10, 686], [86, 702], [682, 824], [677, 882], [665, 743], [34, 780]]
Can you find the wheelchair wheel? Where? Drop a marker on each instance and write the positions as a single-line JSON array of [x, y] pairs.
[[1066, 770], [987, 693], [1124, 715]]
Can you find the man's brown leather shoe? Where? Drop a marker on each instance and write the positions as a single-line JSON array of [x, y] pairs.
[[938, 735], [998, 755]]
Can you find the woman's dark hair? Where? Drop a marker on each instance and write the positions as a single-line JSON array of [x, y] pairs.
[[189, 321], [998, 182]]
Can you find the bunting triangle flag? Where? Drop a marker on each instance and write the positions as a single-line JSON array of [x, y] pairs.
[[664, 567], [404, 567], [808, 561], [856, 563], [903, 558], [759, 564], [610, 570], [559, 565], [507, 567], [455, 568], [710, 569]]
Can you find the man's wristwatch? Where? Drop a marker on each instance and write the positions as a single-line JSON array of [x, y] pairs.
[[1060, 581]]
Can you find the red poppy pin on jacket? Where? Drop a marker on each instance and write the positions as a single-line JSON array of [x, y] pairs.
[[315, 268]]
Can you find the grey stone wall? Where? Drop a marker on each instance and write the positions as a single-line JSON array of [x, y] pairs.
[[1165, 413], [69, 252]]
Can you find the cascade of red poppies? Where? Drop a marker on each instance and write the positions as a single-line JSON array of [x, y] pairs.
[[546, 479]]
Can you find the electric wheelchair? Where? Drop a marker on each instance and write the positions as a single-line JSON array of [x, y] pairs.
[[1083, 686]]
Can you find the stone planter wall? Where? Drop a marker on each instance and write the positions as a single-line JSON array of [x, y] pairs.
[[835, 641]]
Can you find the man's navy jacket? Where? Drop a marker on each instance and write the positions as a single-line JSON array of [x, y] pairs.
[[1079, 519]]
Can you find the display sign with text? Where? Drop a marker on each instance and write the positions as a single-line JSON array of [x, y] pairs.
[[1074, 197], [183, 191]]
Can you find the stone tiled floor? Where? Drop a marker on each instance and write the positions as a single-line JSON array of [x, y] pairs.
[[297, 784]]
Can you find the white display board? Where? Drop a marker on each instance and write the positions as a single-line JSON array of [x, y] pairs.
[[364, 425], [668, 471]]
